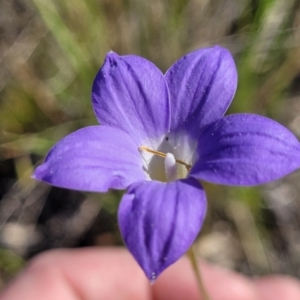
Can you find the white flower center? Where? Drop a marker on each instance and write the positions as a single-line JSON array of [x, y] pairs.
[[163, 166]]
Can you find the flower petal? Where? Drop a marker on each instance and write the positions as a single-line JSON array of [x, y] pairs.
[[94, 158], [245, 149], [160, 221], [130, 93], [202, 85]]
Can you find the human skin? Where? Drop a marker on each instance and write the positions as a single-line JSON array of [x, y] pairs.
[[112, 273]]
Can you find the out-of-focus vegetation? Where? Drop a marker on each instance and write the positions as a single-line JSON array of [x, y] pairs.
[[50, 51]]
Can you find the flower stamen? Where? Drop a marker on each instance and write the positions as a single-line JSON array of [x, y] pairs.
[[161, 154]]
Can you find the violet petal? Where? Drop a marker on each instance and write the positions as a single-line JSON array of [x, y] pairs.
[[202, 85], [130, 93], [94, 158], [245, 149], [160, 221]]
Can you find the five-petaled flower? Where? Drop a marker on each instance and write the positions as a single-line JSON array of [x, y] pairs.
[[159, 135]]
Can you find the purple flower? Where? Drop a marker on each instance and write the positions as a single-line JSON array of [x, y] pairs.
[[160, 135]]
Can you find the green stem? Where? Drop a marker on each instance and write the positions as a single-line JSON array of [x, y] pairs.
[[193, 259]]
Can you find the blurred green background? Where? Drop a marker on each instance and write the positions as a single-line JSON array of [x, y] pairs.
[[50, 52]]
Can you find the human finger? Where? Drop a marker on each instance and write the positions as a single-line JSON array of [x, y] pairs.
[[90, 273], [179, 280], [278, 287], [111, 273]]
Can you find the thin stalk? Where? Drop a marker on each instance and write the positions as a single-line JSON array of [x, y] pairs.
[[193, 259]]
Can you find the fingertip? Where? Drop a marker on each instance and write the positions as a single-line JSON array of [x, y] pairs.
[[179, 282], [278, 287], [227, 285]]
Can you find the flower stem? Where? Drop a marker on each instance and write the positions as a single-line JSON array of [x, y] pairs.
[[193, 259]]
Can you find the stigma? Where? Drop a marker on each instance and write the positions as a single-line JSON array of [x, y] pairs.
[[170, 167], [167, 168]]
